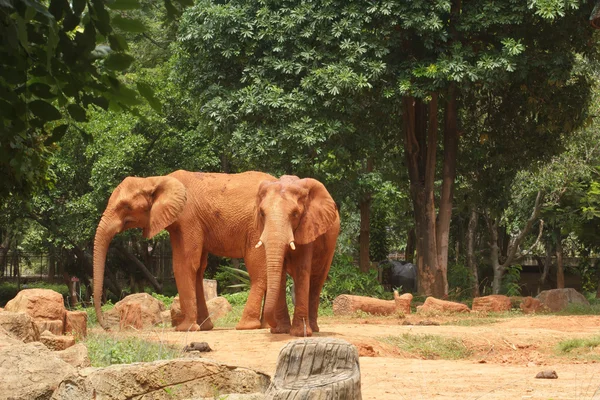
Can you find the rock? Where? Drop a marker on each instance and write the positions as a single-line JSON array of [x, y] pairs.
[[149, 311], [166, 316], [197, 346], [76, 323], [55, 326], [210, 289], [176, 314], [559, 299], [172, 379], [76, 356], [130, 316], [56, 342], [30, 371], [218, 307], [316, 368], [20, 325], [403, 302], [433, 304], [495, 302], [530, 305], [7, 339], [40, 304], [547, 374]]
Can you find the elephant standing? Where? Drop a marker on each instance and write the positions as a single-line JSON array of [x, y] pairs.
[[203, 213], [299, 224]]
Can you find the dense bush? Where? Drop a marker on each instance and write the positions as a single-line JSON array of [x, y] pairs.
[[346, 278]]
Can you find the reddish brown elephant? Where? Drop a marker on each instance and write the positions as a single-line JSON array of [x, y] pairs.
[[203, 213], [299, 224]]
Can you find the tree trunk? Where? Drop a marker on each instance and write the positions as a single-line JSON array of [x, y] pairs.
[[4, 247], [546, 266], [471, 260], [560, 272], [420, 141], [147, 274], [409, 253], [51, 266], [365, 225]]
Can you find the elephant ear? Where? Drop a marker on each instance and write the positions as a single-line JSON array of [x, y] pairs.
[[320, 212], [168, 200]]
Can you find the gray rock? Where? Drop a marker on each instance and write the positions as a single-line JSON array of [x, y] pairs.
[[171, 379], [558, 299]]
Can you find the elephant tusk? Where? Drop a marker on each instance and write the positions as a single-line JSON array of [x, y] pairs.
[[258, 244], [292, 245]]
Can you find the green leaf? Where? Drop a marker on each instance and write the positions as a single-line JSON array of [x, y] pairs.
[[41, 90], [78, 6], [57, 134], [147, 92], [186, 3], [44, 110], [172, 11], [77, 112], [129, 24], [124, 5], [118, 61], [118, 43]]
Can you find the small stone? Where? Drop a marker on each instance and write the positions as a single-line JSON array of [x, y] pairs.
[[197, 346], [547, 374]]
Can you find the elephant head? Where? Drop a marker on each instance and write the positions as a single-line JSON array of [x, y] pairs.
[[149, 203], [289, 212]]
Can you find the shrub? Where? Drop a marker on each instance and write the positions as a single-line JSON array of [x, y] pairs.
[[346, 278], [166, 300]]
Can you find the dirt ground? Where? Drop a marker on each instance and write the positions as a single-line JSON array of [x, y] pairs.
[[506, 354]]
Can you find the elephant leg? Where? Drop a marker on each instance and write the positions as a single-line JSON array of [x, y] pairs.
[[203, 318], [301, 267], [185, 279], [282, 315], [322, 259], [251, 316]]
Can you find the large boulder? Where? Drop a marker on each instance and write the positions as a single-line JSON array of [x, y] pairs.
[[529, 305], [558, 299], [20, 325], [172, 379], [136, 310], [217, 307], [76, 355], [45, 306], [56, 342], [40, 304], [495, 302], [31, 371], [76, 323], [436, 305], [7, 339]]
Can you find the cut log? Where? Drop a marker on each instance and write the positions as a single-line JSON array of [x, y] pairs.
[[316, 368], [346, 304]]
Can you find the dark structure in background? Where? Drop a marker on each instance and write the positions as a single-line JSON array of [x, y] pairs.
[[398, 274]]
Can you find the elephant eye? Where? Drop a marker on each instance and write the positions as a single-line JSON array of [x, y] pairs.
[[295, 214], [262, 212]]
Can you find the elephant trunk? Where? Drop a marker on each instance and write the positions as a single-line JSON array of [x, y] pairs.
[[275, 252], [107, 229]]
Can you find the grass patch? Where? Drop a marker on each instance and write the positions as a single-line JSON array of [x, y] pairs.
[[430, 347], [471, 322], [231, 319], [105, 350], [580, 309], [581, 347]]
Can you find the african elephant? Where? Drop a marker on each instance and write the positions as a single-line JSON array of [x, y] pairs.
[[203, 213], [299, 224]]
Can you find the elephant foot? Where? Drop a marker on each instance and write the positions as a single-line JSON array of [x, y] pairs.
[[187, 326], [281, 328], [298, 330], [207, 325], [314, 326], [248, 324]]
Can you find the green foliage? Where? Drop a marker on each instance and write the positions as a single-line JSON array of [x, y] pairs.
[[430, 347], [237, 299], [459, 281], [105, 350], [8, 290], [91, 312], [510, 281], [346, 278], [231, 278], [166, 300]]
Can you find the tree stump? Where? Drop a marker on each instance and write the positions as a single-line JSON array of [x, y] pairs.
[[346, 304], [316, 368]]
